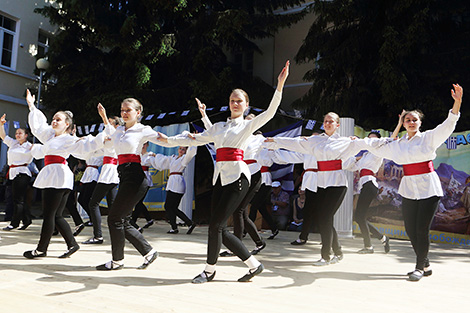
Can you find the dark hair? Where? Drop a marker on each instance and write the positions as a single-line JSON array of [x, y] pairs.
[[26, 130], [416, 111], [375, 132]]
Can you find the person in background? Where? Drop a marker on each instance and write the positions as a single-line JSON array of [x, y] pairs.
[[280, 205]]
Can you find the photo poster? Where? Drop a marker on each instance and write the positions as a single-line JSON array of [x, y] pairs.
[[451, 222]]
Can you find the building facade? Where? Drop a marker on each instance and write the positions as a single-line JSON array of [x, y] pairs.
[[24, 37]]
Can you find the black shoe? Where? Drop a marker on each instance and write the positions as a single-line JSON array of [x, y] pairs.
[[78, 229], [252, 274], [425, 274], [226, 253], [9, 227], [149, 223], [173, 231], [191, 228], [366, 251], [298, 242], [416, 275], [32, 254], [203, 278], [386, 244], [148, 260], [69, 252], [55, 232], [110, 266], [93, 241], [24, 226], [275, 233], [140, 229], [258, 249], [89, 223]]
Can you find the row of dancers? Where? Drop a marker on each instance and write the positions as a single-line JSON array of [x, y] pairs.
[[234, 183]]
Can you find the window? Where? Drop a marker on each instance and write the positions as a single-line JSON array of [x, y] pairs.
[[7, 40], [43, 44]]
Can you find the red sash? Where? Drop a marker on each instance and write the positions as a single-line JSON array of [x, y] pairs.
[[13, 166], [145, 168], [332, 165], [366, 172], [128, 158], [264, 169], [110, 160], [229, 154], [175, 173], [94, 166], [54, 159], [418, 168], [248, 162], [311, 170]]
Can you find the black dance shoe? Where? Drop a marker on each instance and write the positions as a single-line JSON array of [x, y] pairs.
[[69, 252], [386, 244], [274, 234], [78, 229], [191, 228], [298, 242], [24, 226], [32, 254], [109, 266], [203, 278], [251, 274], [148, 260], [258, 249], [93, 241], [416, 275]]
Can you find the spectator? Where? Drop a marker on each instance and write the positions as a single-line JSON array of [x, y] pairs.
[[298, 202], [280, 205]]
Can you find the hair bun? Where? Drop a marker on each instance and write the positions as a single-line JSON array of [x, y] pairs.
[[69, 113]]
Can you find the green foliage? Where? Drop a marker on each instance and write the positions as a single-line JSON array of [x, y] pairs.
[[163, 52], [377, 57]]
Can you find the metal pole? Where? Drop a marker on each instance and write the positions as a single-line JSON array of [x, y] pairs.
[[39, 89]]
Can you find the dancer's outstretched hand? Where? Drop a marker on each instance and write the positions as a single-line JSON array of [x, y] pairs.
[[30, 99]]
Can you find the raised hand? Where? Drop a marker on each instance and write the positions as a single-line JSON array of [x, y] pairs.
[[3, 119], [162, 137], [281, 79], [102, 113], [269, 139], [30, 99], [202, 107], [457, 92]]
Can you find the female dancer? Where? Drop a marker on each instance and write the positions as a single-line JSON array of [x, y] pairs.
[[87, 185], [420, 186], [106, 186], [241, 221], [330, 150], [56, 178], [140, 207], [128, 141], [176, 186], [19, 157], [368, 164], [231, 175]]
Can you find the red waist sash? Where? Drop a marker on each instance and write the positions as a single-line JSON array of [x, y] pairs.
[[311, 170], [332, 165], [418, 168], [145, 168], [54, 159], [128, 158], [110, 160], [13, 166], [249, 161], [175, 173], [264, 169], [366, 172], [229, 154], [94, 166]]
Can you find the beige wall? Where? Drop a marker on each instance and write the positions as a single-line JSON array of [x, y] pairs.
[[275, 51]]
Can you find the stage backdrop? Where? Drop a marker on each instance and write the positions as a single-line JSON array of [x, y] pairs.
[[452, 221]]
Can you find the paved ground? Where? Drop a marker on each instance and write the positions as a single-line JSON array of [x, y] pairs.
[[373, 283]]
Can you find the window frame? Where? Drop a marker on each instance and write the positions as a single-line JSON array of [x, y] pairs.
[[14, 50]]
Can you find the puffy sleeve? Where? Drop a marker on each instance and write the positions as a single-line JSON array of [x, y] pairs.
[[350, 164], [38, 123], [297, 144], [258, 121], [9, 141], [160, 162], [82, 147], [440, 134], [287, 157], [207, 122], [37, 151], [199, 139], [190, 153]]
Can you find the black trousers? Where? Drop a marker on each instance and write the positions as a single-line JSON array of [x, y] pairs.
[[132, 187], [418, 215], [20, 185], [101, 190], [139, 209], [241, 220], [53, 204], [328, 202], [259, 203], [308, 212], [86, 191], [368, 193], [72, 206], [172, 202], [225, 200]]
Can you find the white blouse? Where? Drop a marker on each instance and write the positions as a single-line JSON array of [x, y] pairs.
[[18, 154], [368, 161], [56, 175], [91, 173], [324, 148], [145, 161], [162, 162], [265, 158], [420, 148], [309, 180], [230, 134], [130, 141], [109, 173]]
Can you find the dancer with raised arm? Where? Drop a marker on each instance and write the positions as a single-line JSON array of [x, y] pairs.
[[128, 141], [55, 178], [420, 186], [19, 156], [231, 175]]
